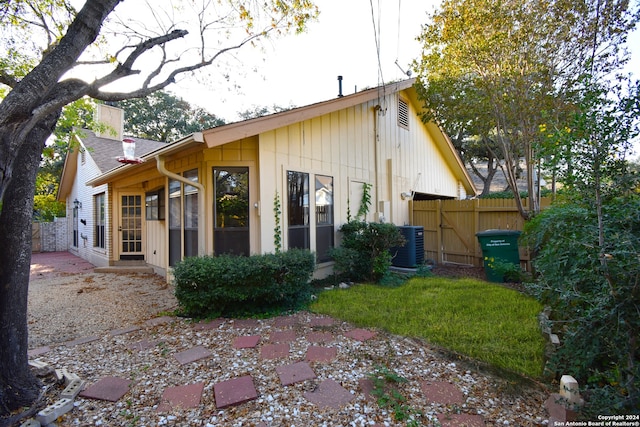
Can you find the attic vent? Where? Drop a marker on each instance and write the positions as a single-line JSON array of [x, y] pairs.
[[403, 113]]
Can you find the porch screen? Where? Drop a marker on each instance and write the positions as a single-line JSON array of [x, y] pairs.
[[324, 217], [183, 218], [298, 209], [231, 216]]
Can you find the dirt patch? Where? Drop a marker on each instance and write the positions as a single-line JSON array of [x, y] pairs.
[[67, 306], [459, 271]]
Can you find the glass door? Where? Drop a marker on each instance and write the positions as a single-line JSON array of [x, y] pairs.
[[231, 216], [131, 227]]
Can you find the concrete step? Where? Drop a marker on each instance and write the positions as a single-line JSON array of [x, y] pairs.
[[124, 269]]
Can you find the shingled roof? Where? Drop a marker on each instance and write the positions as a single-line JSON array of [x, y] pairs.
[[105, 151]]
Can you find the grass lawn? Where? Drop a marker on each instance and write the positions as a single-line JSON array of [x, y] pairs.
[[482, 320]]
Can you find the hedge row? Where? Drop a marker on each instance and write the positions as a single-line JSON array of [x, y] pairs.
[[225, 285]]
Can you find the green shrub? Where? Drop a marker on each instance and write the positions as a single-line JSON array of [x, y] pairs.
[[364, 252], [227, 285], [594, 294]]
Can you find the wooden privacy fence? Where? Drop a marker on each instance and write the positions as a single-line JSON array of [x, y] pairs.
[[450, 227]]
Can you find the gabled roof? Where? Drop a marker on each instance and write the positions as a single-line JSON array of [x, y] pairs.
[[103, 151], [235, 131], [239, 130]]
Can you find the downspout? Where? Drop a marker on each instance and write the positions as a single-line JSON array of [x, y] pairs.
[[201, 202], [376, 140]]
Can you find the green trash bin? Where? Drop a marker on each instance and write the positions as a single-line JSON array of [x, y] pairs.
[[499, 247]]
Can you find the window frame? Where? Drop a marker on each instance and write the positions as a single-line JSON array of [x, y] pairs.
[[156, 210], [99, 221]]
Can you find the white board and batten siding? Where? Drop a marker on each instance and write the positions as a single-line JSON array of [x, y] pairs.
[[86, 249], [355, 145]]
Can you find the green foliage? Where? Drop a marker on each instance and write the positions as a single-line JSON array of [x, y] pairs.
[[363, 254], [385, 390], [508, 271], [594, 294], [46, 207], [164, 117], [544, 192], [365, 203], [228, 285], [497, 69], [478, 319], [277, 230]]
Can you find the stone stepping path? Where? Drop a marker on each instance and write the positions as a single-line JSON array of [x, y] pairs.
[[295, 373], [236, 391], [329, 394], [108, 388], [274, 351], [193, 354], [183, 397], [246, 342], [321, 354]]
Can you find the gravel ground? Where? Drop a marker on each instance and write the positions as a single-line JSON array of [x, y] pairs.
[[66, 307]]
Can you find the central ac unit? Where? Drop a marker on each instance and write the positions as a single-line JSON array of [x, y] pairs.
[[411, 254]]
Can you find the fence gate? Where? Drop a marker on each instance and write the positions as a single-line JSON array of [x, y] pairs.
[[450, 226], [36, 237]]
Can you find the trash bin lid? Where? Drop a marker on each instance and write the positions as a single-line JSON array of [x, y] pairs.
[[488, 233]]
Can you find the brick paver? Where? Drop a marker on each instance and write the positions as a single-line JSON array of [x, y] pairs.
[[108, 388], [321, 321], [282, 336], [291, 374], [182, 397], [250, 341], [441, 392], [329, 394], [235, 391], [321, 354], [320, 337], [360, 334], [123, 331], [274, 351], [193, 354]]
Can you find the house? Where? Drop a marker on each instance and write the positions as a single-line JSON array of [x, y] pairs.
[[298, 173], [91, 155]]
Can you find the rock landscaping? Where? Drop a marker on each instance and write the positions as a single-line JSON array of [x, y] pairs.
[[296, 370]]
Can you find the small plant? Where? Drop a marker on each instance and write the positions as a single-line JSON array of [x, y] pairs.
[[277, 230], [212, 286], [385, 389], [364, 253], [365, 202], [505, 269]]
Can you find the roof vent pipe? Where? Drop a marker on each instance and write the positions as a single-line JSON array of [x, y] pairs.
[[340, 95]]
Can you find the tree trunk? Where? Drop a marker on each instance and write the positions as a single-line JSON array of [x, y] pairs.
[[18, 386]]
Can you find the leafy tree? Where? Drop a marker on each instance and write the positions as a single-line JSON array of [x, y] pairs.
[[496, 67], [45, 205], [161, 116], [588, 248], [47, 46], [259, 111]]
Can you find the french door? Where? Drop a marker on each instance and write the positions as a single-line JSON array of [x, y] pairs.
[[131, 227]]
